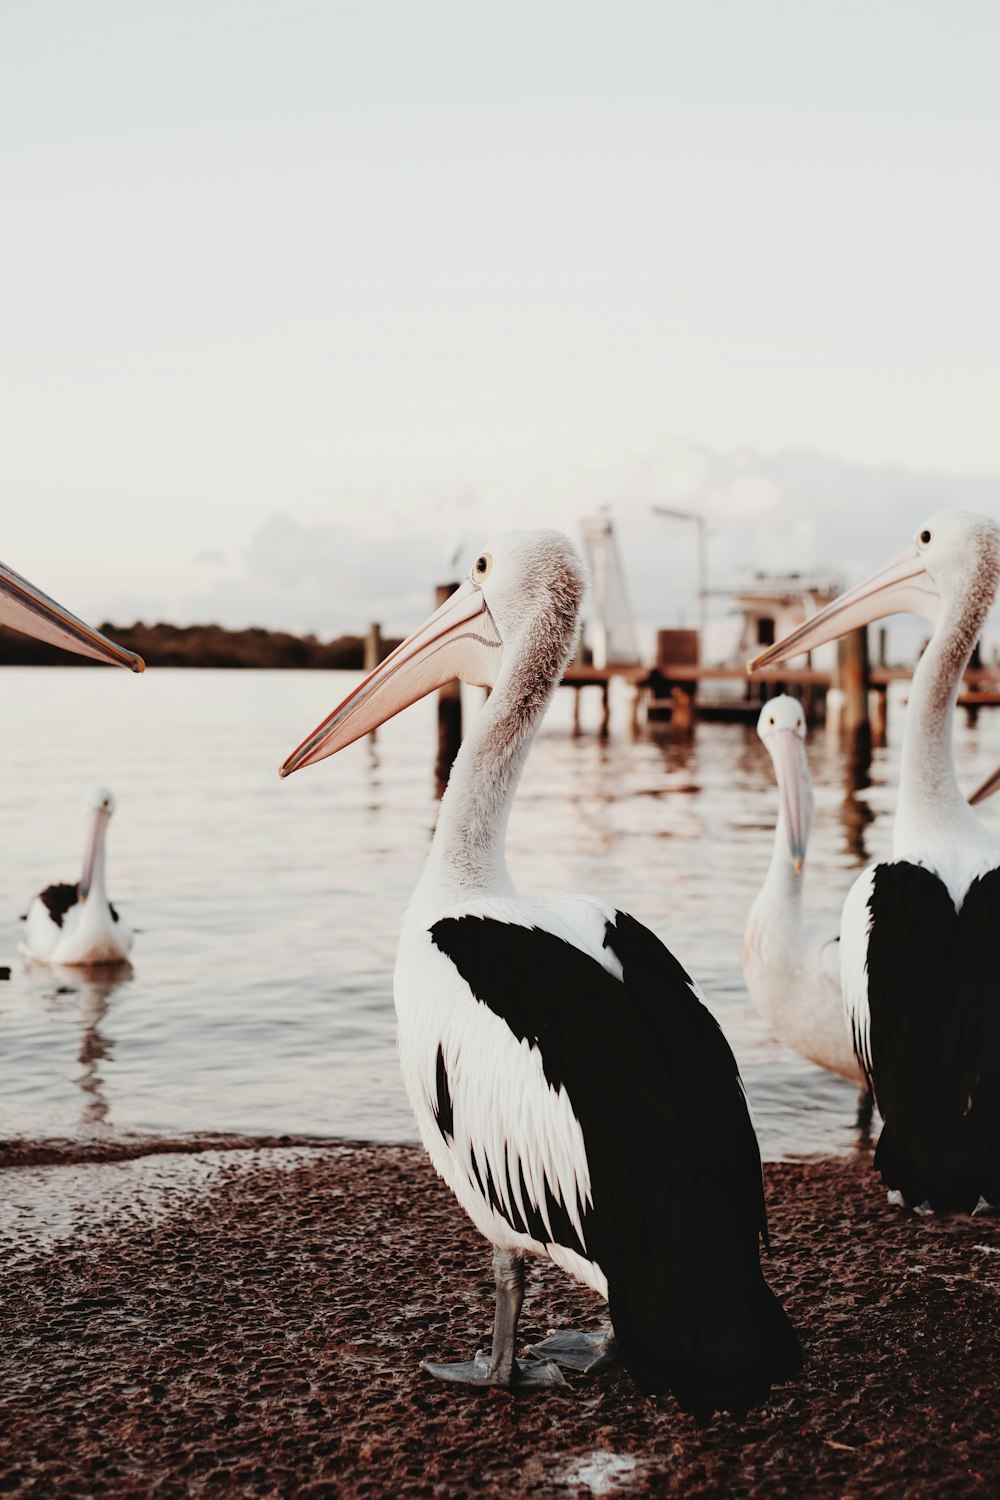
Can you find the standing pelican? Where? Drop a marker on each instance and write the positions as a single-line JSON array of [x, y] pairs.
[[569, 1084], [919, 955], [25, 608], [76, 924], [791, 966]]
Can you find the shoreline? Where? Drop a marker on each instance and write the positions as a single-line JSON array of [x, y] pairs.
[[111, 1145], [259, 1332]]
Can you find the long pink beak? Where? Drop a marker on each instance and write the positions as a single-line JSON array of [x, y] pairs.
[[27, 609], [902, 587], [789, 757], [459, 640]]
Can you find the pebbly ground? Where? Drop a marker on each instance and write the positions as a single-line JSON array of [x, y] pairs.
[[249, 1322]]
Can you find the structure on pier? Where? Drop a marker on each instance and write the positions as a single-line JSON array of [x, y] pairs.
[[612, 633], [774, 604]]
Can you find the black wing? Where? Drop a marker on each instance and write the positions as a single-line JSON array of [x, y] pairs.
[[59, 899], [934, 1004], [675, 1172]]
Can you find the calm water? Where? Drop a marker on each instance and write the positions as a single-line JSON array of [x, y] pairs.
[[260, 994]]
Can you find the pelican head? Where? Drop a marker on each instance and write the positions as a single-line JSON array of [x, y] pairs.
[[951, 569], [523, 592], [782, 729], [100, 805], [27, 609]]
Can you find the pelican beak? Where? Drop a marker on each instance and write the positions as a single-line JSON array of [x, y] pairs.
[[27, 609], [789, 757], [903, 586], [459, 640], [988, 787], [95, 843]]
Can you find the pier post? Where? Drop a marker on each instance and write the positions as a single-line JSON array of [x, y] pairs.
[[636, 710], [880, 714], [373, 647], [681, 709], [449, 712], [853, 675]]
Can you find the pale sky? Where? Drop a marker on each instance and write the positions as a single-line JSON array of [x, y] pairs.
[[297, 297]]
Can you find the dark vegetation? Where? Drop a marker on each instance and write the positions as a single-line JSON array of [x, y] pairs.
[[198, 646]]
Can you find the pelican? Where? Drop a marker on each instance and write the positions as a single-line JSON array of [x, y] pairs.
[[918, 965], [791, 966], [77, 924], [570, 1086], [25, 608]]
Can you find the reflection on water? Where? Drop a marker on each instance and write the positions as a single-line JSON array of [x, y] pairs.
[[856, 815], [87, 991], [373, 780], [260, 997]]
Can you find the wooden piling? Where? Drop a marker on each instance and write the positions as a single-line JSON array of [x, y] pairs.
[[373, 647], [879, 708], [636, 712], [449, 712], [853, 674], [681, 709]]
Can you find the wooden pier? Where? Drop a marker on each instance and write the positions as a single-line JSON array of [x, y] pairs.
[[677, 693]]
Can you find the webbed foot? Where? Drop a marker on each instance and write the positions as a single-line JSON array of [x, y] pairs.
[[527, 1374], [587, 1352]]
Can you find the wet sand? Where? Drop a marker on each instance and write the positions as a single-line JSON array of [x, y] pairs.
[[250, 1322]]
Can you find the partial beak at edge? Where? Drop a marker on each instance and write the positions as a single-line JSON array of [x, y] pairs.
[[27, 609], [986, 789]]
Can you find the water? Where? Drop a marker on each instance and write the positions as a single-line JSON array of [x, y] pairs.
[[260, 994]]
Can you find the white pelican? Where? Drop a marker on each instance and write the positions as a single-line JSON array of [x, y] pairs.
[[570, 1087], [77, 924], [791, 966], [25, 608], [918, 945]]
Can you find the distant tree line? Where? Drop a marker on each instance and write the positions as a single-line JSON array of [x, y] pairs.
[[199, 646]]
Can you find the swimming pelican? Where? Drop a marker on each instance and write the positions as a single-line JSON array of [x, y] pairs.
[[918, 954], [791, 966], [76, 924], [569, 1084], [25, 608]]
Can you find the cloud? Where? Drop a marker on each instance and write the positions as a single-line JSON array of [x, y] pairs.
[[326, 578], [787, 510]]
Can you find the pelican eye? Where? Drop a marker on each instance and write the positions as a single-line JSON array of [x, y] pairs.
[[482, 565], [924, 537]]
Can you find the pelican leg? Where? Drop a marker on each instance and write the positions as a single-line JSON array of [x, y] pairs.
[[501, 1368], [586, 1352]]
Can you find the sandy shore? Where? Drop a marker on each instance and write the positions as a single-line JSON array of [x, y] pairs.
[[249, 1322]]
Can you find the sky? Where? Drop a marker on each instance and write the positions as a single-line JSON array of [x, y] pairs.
[[299, 300]]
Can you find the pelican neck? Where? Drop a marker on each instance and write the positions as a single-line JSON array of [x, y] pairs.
[[467, 857], [930, 804]]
